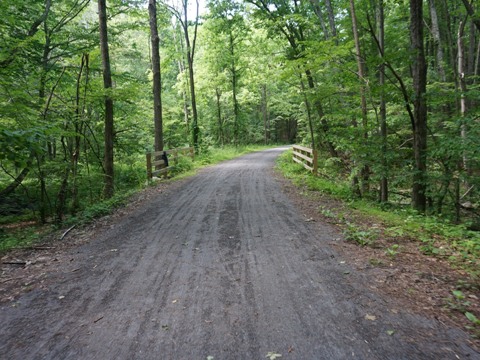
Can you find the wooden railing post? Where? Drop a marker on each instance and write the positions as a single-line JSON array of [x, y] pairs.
[[315, 162], [149, 166]]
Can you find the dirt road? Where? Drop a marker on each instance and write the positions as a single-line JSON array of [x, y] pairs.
[[219, 266]]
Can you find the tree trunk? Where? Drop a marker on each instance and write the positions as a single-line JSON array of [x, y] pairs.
[[383, 107], [437, 41], [331, 18], [321, 114], [463, 88], [419, 72], [181, 69], [318, 11], [233, 70], [361, 74], [471, 13], [266, 121], [157, 78], [309, 114], [107, 84], [78, 130], [190, 58], [219, 117]]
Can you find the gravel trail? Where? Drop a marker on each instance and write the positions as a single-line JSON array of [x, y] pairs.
[[221, 266]]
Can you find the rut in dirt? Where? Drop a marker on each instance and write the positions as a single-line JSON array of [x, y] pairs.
[[219, 266]]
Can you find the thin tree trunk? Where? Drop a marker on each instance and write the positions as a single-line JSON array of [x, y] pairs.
[[318, 11], [383, 107], [157, 78], [107, 84], [419, 71], [331, 18], [266, 122], [78, 130], [471, 13], [309, 114], [463, 88], [190, 58], [233, 70], [219, 117], [181, 69], [361, 74], [437, 41]]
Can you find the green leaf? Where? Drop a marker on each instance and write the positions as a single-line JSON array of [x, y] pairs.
[[472, 318], [458, 294]]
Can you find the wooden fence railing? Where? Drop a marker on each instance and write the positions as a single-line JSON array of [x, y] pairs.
[[306, 157], [161, 160]]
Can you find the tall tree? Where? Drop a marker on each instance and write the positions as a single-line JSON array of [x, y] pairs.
[[182, 16], [157, 79], [383, 106], [107, 84], [419, 73], [363, 99]]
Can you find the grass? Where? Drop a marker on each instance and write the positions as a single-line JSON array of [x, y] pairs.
[[19, 231]]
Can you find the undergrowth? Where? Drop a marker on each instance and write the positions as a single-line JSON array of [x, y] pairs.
[[435, 236], [22, 230]]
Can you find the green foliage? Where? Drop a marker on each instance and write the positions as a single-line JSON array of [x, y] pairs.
[[362, 237], [392, 251]]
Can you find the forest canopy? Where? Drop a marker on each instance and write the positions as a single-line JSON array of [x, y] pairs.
[[386, 91]]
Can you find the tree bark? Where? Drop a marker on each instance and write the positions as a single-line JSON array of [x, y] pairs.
[[157, 78], [109, 189], [331, 18], [219, 117], [463, 88], [190, 57], [437, 41], [419, 72], [471, 13], [234, 72], [361, 74], [266, 121], [318, 11], [383, 108]]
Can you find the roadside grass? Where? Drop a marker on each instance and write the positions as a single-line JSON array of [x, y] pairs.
[[22, 230], [435, 236], [364, 222]]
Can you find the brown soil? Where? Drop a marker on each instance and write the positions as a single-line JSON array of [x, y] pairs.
[[416, 281]]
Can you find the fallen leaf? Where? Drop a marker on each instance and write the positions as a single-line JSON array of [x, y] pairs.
[[272, 356], [113, 250], [209, 357], [390, 332], [174, 301], [370, 317], [61, 297]]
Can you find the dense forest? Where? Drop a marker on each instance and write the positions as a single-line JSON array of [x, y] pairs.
[[386, 90]]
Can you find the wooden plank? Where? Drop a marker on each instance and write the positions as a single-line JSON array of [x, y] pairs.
[[303, 148], [161, 171], [158, 163], [305, 157], [303, 164]]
